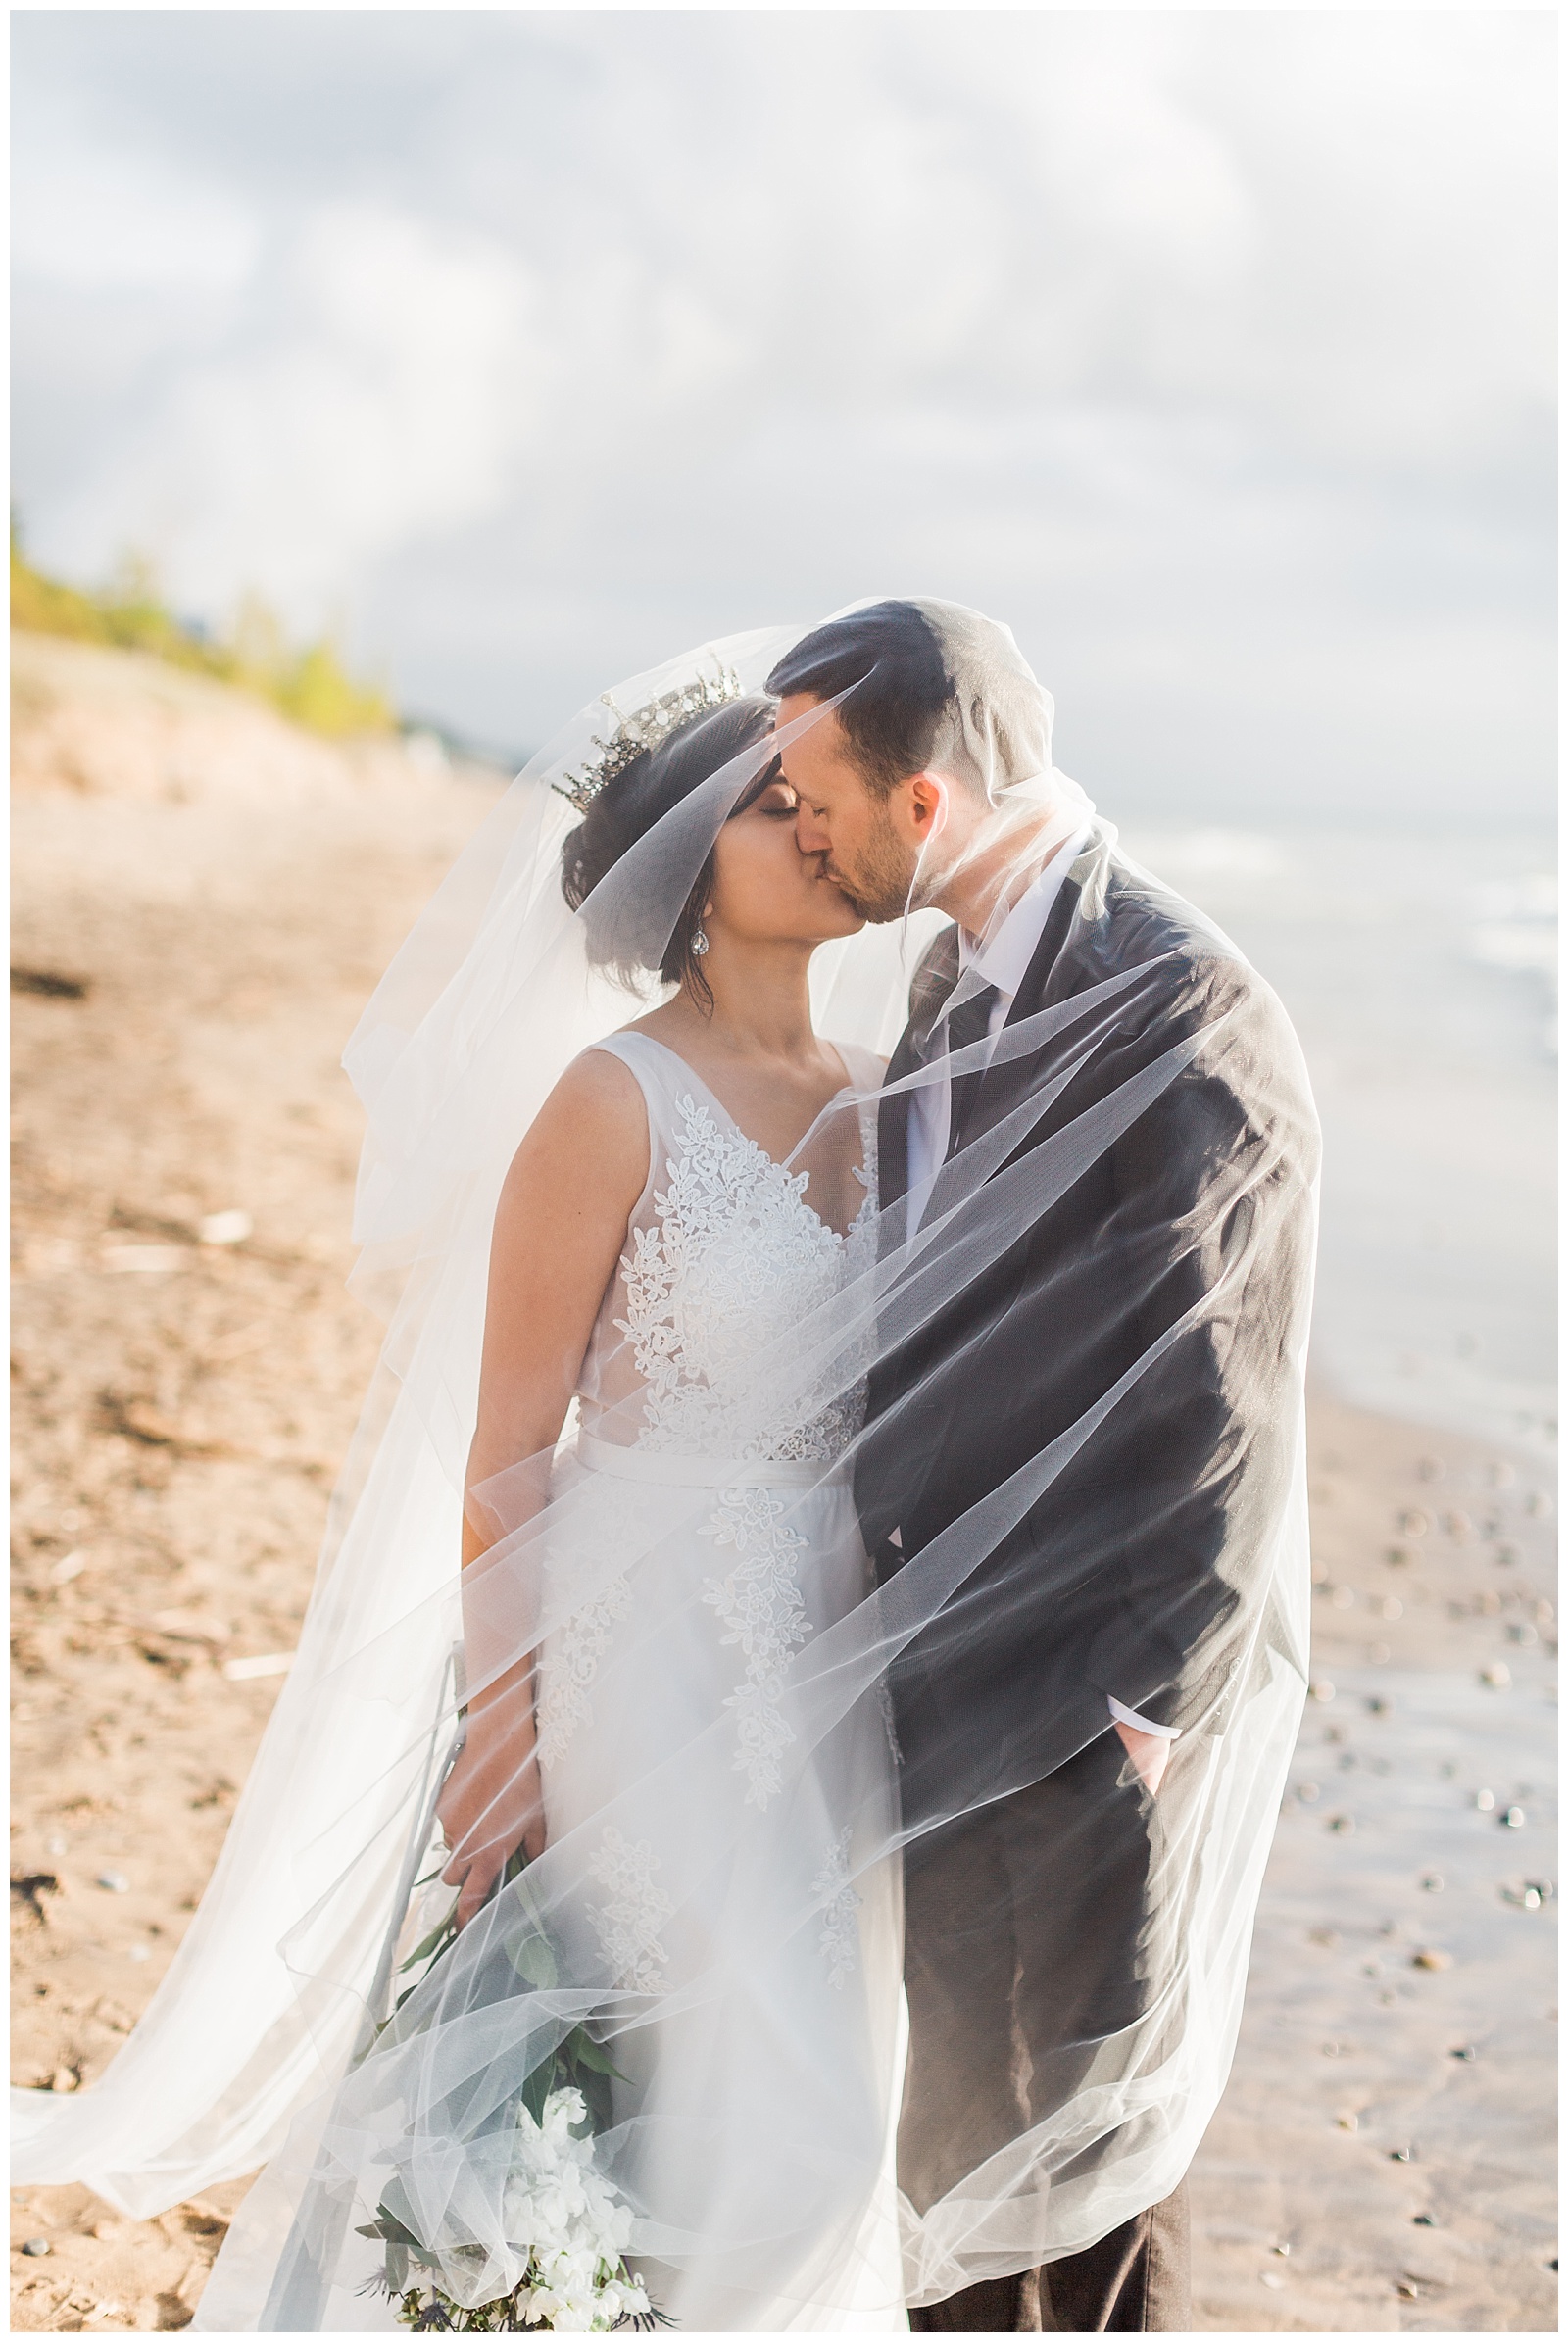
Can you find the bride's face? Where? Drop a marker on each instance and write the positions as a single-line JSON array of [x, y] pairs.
[[766, 890]]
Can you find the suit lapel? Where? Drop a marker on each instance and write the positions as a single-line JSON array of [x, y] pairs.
[[999, 1087], [1030, 997]]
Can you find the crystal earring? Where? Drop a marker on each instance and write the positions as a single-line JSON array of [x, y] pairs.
[[699, 944]]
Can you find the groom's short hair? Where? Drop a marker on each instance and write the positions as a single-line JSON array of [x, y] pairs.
[[892, 656], [931, 687]]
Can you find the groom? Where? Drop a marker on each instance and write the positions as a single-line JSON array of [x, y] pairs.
[[1033, 1928]]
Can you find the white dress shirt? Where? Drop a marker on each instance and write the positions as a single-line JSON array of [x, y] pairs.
[[1005, 962]]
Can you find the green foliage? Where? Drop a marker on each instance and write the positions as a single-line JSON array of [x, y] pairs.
[[307, 685]]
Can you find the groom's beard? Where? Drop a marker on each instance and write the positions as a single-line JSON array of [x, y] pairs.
[[877, 879]]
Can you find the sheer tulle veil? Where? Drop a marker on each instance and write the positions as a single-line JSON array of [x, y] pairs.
[[261, 2047]]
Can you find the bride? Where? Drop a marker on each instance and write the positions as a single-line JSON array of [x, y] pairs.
[[693, 1185]]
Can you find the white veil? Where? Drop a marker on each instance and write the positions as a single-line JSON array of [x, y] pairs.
[[1167, 1072]]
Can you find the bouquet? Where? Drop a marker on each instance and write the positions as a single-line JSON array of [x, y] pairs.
[[564, 2217]]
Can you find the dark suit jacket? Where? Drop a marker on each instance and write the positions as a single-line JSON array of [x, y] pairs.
[[1140, 1570]]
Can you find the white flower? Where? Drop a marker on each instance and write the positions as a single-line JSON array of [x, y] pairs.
[[564, 2111], [567, 2226], [623, 2298]]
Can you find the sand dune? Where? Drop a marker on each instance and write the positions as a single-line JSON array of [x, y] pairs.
[[203, 900]]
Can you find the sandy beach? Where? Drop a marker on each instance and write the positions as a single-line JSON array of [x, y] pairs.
[[203, 901]]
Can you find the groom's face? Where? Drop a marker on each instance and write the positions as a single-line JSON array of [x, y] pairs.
[[841, 818]]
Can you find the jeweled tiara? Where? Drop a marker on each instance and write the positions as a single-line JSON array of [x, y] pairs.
[[634, 735]]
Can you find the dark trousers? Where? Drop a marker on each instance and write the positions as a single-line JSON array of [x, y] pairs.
[[1137, 2280], [1025, 1948], [1029, 1941]]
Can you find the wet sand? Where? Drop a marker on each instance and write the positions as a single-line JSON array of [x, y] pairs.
[[226, 893], [1391, 2120]]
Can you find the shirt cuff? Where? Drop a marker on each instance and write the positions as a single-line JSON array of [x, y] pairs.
[[1140, 1724]]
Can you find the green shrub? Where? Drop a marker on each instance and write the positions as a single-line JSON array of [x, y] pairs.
[[307, 685]]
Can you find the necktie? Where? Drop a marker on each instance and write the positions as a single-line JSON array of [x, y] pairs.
[[970, 1022]]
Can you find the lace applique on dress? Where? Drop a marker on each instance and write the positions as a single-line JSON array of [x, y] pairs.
[[840, 1940], [627, 1924], [569, 1665], [736, 1259], [759, 1602]]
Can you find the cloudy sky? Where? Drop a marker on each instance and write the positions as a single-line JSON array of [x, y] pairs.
[[1210, 350]]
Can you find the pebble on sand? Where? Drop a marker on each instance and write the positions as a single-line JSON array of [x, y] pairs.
[[151, 1260], [1427, 1958], [1322, 1689], [266, 1663], [1514, 1818], [114, 1883], [224, 1227], [1485, 1801], [35, 2247]]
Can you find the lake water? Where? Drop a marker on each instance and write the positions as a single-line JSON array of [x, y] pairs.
[[1421, 975]]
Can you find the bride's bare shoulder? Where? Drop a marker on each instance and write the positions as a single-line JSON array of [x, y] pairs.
[[599, 1088], [593, 1125]]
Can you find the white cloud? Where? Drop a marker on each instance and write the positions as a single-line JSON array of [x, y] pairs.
[[85, 217], [538, 342], [376, 394]]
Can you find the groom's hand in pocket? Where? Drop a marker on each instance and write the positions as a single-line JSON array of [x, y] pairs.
[[1150, 1753]]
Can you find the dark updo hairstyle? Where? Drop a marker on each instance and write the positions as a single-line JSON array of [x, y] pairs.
[[625, 809]]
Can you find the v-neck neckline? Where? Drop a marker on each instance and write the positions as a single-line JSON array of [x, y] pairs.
[[840, 1236]]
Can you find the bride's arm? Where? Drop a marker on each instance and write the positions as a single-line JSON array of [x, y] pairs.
[[558, 1232]]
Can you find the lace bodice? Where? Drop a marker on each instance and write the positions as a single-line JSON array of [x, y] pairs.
[[725, 1260]]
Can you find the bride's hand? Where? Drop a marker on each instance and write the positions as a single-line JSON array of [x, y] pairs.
[[490, 1804]]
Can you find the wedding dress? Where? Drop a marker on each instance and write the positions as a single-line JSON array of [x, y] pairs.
[[739, 1940], [765, 2113]]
